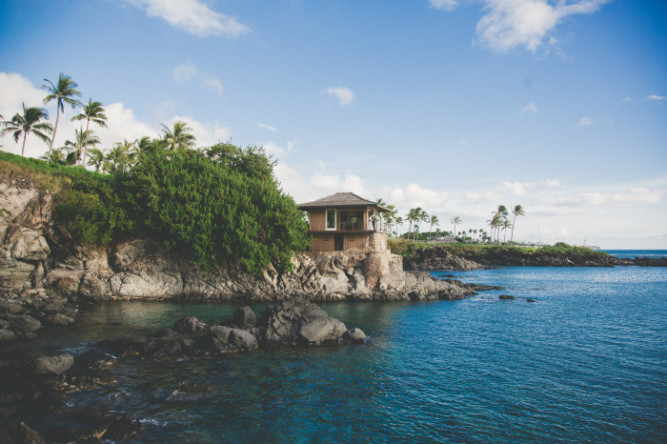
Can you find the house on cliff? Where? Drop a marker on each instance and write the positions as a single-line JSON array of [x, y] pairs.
[[345, 221]]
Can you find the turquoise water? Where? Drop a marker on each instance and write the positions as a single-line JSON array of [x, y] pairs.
[[587, 362], [637, 253]]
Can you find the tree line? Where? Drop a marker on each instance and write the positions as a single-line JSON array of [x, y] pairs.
[[417, 216]]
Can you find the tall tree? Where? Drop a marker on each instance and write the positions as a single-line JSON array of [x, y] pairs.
[[30, 121], [91, 112], [96, 159], [456, 220], [121, 157], [82, 140], [434, 221], [411, 217], [422, 216], [64, 91], [518, 210], [505, 225], [178, 137]]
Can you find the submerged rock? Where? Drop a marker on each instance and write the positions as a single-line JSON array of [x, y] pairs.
[[506, 297], [55, 365], [294, 322]]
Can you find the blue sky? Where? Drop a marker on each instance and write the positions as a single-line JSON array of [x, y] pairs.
[[454, 106]]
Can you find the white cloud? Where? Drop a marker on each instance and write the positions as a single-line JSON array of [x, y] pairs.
[[272, 149], [531, 107], [344, 95], [188, 71], [626, 99], [552, 183], [585, 121], [635, 195], [657, 98], [122, 123], [518, 188], [511, 23], [267, 127], [192, 16], [206, 134], [444, 5]]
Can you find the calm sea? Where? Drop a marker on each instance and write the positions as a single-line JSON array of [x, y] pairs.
[[637, 253], [586, 362]]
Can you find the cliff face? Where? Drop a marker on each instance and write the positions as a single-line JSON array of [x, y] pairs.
[[44, 273]]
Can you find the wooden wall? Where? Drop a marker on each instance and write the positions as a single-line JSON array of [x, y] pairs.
[[317, 219], [325, 242]]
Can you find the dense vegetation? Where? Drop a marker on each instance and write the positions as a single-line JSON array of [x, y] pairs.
[[483, 253], [216, 206]]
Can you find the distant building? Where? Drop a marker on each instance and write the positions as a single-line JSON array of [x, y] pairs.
[[345, 221]]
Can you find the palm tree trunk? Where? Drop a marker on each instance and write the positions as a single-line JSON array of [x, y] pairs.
[[25, 136], [55, 128], [85, 148], [513, 222]]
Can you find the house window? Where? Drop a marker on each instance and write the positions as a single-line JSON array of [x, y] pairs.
[[331, 219]]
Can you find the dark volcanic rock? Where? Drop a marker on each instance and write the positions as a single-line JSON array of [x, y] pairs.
[[438, 258], [294, 322], [506, 297], [244, 317], [299, 321]]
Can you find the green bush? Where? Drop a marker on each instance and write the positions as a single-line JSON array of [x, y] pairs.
[[217, 206]]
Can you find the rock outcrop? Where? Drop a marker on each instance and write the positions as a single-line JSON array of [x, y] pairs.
[[44, 274], [438, 258], [295, 322]]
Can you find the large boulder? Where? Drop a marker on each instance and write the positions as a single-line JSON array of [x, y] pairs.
[[299, 321], [54, 365]]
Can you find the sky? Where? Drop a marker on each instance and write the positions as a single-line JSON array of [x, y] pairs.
[[455, 106]]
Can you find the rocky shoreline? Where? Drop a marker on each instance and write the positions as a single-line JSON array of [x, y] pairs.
[[437, 258], [45, 275]]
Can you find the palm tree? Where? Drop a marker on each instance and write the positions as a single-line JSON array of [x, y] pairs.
[[178, 137], [82, 140], [516, 211], [422, 216], [412, 216], [120, 157], [505, 225], [63, 92], [456, 220], [30, 120], [96, 158], [495, 222], [434, 221], [91, 112]]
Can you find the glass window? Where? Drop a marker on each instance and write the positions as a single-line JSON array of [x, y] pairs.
[[331, 219]]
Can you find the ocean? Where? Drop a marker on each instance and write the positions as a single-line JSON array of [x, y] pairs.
[[585, 362]]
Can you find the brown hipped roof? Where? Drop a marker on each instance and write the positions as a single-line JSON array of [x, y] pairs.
[[341, 200]]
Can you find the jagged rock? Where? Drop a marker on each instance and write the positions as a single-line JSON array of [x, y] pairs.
[[244, 318], [54, 365], [299, 321], [23, 324], [6, 335], [190, 325], [30, 246], [58, 319], [30, 436], [506, 297], [530, 300], [356, 335], [242, 340]]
